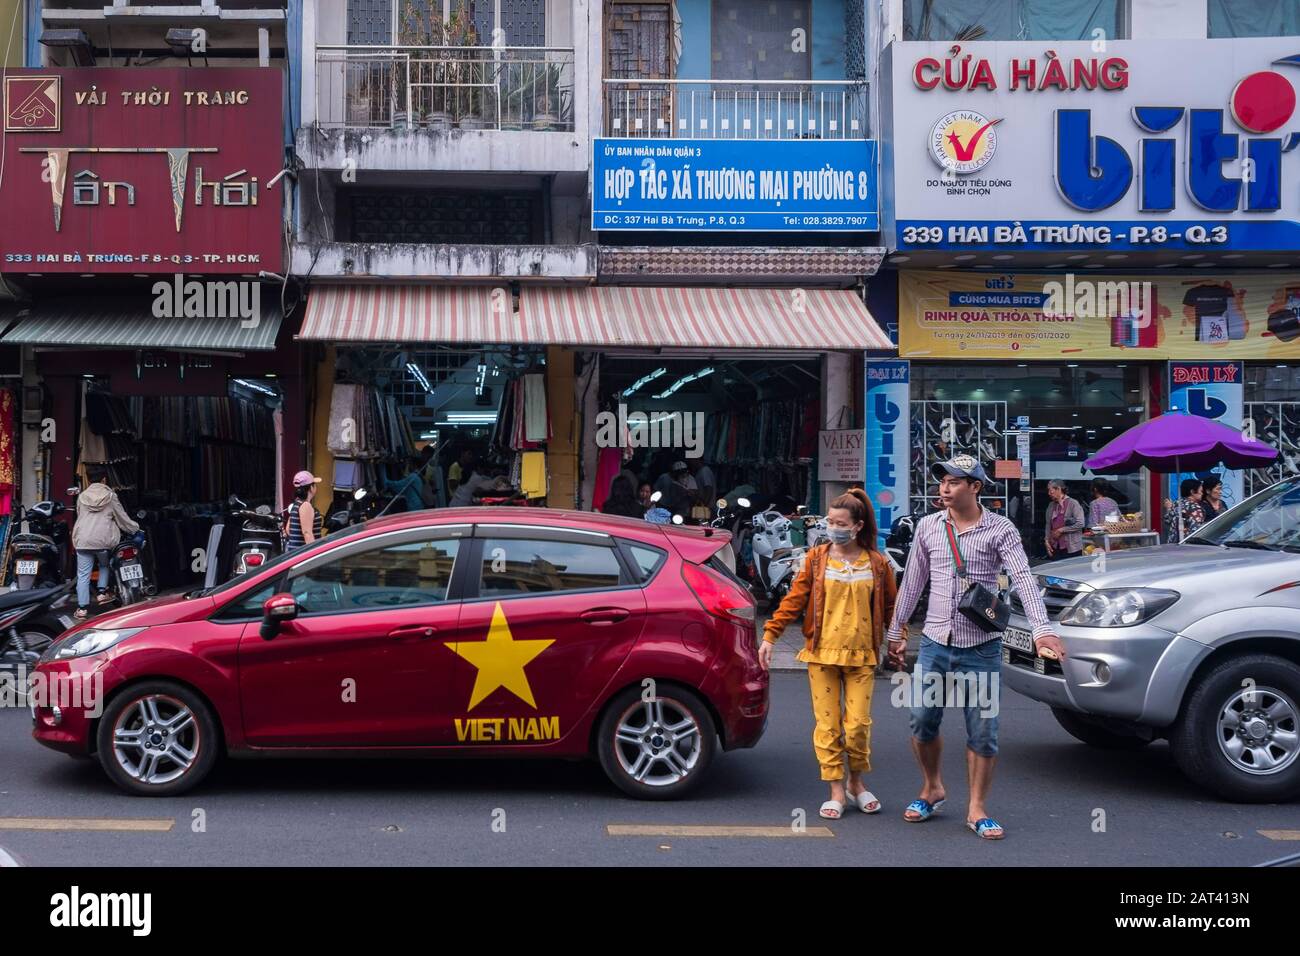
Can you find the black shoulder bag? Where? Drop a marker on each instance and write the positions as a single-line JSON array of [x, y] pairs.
[[979, 605]]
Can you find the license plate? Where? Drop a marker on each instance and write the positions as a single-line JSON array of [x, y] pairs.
[[1019, 639], [27, 567], [132, 572]]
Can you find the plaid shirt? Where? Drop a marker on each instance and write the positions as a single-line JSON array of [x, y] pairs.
[[990, 546]]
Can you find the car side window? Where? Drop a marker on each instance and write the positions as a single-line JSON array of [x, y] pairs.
[[248, 607], [398, 575], [646, 560], [515, 566]]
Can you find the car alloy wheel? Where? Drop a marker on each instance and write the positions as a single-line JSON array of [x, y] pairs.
[[156, 740], [1259, 730], [658, 742]]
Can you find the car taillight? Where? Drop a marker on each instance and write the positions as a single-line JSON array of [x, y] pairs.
[[254, 559], [126, 554], [717, 595]]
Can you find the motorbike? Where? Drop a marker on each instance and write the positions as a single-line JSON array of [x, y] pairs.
[[260, 538], [131, 563], [29, 620], [39, 555], [358, 509], [657, 514], [776, 559], [734, 516], [898, 545]]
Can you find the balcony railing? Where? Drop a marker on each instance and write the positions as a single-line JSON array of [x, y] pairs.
[[736, 109], [439, 87]]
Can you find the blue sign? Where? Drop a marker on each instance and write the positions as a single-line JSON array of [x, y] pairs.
[[888, 442], [1211, 390], [731, 185]]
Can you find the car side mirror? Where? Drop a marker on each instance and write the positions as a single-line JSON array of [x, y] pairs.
[[277, 609]]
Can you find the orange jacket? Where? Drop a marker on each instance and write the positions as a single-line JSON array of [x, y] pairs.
[[811, 581]]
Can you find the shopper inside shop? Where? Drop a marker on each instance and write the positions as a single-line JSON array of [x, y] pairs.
[[460, 469], [410, 488], [705, 482], [1064, 522], [1102, 505], [676, 489], [622, 500]]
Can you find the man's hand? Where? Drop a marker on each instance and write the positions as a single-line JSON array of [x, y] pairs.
[[1050, 646], [898, 652], [765, 655]]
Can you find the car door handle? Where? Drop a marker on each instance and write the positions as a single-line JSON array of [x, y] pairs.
[[605, 615], [415, 632]]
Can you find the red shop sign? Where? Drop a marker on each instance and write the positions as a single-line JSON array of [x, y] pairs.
[[125, 169]]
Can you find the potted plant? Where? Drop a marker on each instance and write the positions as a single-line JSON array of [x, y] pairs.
[[429, 65], [513, 91], [467, 73], [359, 93], [553, 98]]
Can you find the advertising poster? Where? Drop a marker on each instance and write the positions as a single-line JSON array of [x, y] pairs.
[[888, 452], [1210, 390]]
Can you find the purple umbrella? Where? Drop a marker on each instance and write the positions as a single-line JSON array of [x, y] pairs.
[[1176, 441]]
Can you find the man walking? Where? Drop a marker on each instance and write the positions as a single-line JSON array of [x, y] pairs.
[[955, 652]]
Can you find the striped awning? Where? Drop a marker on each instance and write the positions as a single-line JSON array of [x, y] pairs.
[[101, 324], [701, 317], [667, 317], [404, 313]]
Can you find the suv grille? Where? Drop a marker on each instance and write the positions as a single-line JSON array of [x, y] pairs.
[[1057, 594]]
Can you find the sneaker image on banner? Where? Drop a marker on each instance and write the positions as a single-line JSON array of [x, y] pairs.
[[1285, 322]]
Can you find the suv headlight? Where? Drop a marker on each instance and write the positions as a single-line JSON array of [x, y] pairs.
[[1118, 607], [90, 642]]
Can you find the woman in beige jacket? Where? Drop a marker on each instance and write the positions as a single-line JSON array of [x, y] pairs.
[[101, 519]]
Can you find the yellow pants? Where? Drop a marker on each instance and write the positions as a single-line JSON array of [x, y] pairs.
[[842, 727]]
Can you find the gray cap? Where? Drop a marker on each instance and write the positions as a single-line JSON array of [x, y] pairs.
[[962, 466]]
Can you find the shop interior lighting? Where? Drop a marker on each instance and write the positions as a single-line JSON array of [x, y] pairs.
[[643, 381], [671, 389], [418, 374], [478, 382], [256, 387], [470, 418]]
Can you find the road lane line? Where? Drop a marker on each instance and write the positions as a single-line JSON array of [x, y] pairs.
[[1280, 834], [628, 829], [85, 823]]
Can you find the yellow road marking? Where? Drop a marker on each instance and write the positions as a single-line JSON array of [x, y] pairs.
[[84, 823], [1280, 834], [628, 829]]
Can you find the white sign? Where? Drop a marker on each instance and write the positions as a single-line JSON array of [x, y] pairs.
[[841, 454], [1114, 145]]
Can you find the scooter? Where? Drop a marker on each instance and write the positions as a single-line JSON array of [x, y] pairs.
[[259, 537], [734, 516], [132, 566], [29, 620], [775, 558], [898, 545], [356, 512], [39, 555]]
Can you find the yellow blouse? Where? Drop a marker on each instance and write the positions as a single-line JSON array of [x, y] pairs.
[[846, 634]]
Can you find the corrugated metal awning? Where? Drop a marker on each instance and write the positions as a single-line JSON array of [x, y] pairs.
[[108, 325], [609, 316], [696, 317]]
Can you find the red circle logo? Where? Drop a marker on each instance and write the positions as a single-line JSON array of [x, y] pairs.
[[1262, 102]]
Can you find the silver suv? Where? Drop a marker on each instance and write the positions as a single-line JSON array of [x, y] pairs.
[[1198, 643]]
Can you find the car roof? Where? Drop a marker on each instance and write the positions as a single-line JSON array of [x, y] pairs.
[[542, 517]]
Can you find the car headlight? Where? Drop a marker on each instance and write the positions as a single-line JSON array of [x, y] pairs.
[[90, 642], [1118, 607]]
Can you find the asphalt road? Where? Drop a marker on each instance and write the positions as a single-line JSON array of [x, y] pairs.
[[1047, 794]]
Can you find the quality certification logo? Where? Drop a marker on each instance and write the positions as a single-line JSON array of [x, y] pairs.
[[964, 141]]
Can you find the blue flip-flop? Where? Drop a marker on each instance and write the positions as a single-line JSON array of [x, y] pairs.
[[983, 827], [925, 808]]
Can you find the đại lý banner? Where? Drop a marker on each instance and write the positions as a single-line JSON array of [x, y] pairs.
[[1071, 316], [128, 170]]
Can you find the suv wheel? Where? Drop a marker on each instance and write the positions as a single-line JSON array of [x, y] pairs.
[[157, 739], [656, 749], [1095, 735], [1239, 731]]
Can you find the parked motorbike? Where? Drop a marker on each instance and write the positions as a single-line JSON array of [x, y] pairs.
[[657, 514], [776, 559], [734, 516], [132, 566], [29, 620], [357, 510], [898, 545], [260, 537], [39, 556]]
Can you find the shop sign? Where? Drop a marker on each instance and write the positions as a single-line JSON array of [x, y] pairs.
[[1094, 145], [840, 455], [888, 453], [734, 185], [123, 170], [1069, 317], [1214, 390]]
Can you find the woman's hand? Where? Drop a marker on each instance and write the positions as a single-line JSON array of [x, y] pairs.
[[765, 654]]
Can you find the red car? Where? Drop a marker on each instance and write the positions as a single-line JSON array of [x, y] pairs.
[[450, 632]]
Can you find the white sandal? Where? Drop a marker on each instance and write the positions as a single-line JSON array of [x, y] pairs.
[[864, 800], [831, 810]]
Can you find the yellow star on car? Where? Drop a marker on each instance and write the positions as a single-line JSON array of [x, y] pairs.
[[500, 661]]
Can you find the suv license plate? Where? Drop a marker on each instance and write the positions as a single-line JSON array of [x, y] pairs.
[[132, 572], [1019, 639]]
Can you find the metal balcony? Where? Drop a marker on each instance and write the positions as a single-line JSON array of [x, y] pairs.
[[441, 87], [736, 109]]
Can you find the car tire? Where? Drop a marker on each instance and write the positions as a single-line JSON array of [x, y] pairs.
[[1096, 736], [662, 776], [1202, 738], [160, 732]]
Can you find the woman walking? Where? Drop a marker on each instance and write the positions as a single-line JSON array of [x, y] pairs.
[[846, 590], [304, 519]]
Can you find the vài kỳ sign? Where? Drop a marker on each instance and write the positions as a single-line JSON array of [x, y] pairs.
[[133, 170], [1073, 316], [840, 455]]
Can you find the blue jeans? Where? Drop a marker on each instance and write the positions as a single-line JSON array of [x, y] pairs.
[[85, 562], [966, 677]]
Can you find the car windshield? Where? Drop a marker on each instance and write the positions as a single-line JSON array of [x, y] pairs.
[[275, 562], [1268, 521]]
